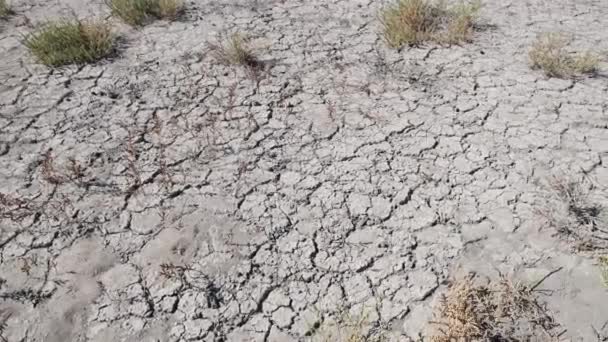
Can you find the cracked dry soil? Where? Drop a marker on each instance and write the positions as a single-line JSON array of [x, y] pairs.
[[163, 196]]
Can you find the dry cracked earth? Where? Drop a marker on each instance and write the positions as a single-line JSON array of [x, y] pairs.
[[163, 196]]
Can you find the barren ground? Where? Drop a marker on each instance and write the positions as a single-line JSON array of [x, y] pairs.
[[162, 196]]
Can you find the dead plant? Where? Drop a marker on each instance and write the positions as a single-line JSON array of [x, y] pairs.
[[495, 311], [51, 172], [16, 209], [574, 215]]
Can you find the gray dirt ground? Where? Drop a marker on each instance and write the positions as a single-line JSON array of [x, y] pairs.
[[346, 177]]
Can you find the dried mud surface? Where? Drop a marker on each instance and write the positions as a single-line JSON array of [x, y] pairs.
[[163, 196]]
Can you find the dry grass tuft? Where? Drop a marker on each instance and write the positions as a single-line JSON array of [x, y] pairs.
[[234, 51], [603, 260], [572, 212], [70, 42], [411, 22], [549, 54], [499, 311], [141, 12], [5, 9], [577, 200], [461, 23]]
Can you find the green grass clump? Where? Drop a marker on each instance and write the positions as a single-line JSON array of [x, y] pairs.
[[412, 22], [140, 12], [5, 9], [549, 54], [70, 42]]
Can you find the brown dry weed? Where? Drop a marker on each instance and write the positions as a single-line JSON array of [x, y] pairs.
[[495, 311]]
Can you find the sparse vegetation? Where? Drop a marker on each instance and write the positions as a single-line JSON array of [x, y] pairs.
[[411, 22], [603, 260], [575, 215], [473, 309], [73, 170], [349, 333], [5, 9], [70, 42], [15, 208], [141, 12], [461, 23], [577, 199], [346, 328], [497, 311], [549, 53], [234, 50]]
